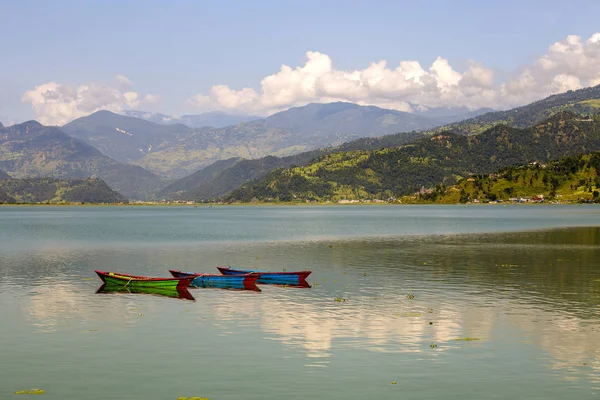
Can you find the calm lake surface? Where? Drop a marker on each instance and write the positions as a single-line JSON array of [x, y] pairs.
[[524, 280]]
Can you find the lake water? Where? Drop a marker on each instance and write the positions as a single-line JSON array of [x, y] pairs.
[[524, 280]]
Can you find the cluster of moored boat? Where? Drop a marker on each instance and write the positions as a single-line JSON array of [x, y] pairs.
[[177, 285]]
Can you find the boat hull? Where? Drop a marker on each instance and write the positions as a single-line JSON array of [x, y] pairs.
[[296, 278], [247, 281], [133, 281]]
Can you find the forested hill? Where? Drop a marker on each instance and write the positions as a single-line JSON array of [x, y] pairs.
[[583, 101], [442, 158], [573, 179], [50, 190]]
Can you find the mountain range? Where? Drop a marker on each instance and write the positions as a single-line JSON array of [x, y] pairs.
[[32, 150], [582, 101], [441, 158], [140, 158], [176, 150], [214, 119]]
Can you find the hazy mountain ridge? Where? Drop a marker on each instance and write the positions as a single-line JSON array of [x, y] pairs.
[[32, 150], [394, 172], [214, 119], [176, 150], [126, 139], [198, 178], [247, 170]]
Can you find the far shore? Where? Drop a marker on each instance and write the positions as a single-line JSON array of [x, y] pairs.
[[297, 204]]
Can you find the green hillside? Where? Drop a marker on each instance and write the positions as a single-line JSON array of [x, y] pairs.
[[50, 190], [198, 178], [583, 101], [246, 170], [445, 158], [32, 150], [574, 178]]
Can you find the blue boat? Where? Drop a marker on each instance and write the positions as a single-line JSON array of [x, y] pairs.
[[294, 278], [245, 281]]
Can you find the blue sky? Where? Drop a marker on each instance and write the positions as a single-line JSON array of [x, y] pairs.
[[180, 49]]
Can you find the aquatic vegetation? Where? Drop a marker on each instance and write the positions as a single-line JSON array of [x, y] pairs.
[[192, 398], [30, 391], [411, 314]]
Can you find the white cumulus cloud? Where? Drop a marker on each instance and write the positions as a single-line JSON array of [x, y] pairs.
[[56, 104], [123, 82], [152, 99], [569, 64]]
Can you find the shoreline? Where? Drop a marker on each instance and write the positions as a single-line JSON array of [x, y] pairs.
[[289, 204]]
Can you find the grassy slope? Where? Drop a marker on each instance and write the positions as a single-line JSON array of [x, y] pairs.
[[573, 178], [446, 157], [50, 190]]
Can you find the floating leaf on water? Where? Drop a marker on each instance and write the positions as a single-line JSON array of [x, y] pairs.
[[467, 339], [411, 314], [30, 391], [410, 296]]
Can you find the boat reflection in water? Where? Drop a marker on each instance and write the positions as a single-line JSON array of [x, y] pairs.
[[176, 293]]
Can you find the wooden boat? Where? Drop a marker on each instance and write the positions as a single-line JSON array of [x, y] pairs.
[[133, 281], [241, 281], [295, 278], [174, 292]]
